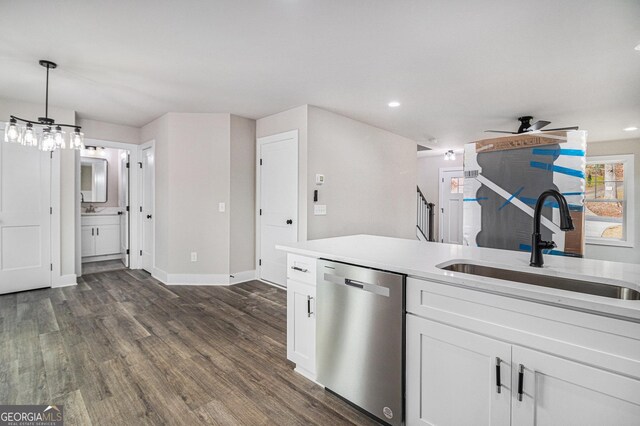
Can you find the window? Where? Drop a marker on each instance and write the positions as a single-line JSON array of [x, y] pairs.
[[457, 185], [609, 200]]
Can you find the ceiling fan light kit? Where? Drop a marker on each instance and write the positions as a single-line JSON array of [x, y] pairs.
[[48, 135]]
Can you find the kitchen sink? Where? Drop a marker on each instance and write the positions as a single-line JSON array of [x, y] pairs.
[[569, 284]]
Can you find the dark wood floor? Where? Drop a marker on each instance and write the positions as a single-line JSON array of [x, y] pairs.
[[122, 349]]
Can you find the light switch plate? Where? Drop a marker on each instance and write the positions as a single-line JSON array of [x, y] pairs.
[[320, 210], [194, 256], [221, 207]]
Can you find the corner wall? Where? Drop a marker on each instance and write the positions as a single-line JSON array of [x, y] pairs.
[[370, 178], [242, 203]]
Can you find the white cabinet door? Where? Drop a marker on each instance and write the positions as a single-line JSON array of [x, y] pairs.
[[452, 376], [557, 391], [88, 241], [301, 326], [107, 239]]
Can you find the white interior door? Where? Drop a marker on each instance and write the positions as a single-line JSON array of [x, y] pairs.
[[147, 238], [25, 219], [451, 199], [278, 203], [123, 204]]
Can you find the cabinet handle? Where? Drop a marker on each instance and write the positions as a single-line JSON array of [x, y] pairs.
[[309, 298], [520, 381], [296, 268], [97, 231], [498, 381], [92, 232]]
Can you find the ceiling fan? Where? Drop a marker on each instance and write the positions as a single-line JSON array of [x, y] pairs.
[[526, 126]]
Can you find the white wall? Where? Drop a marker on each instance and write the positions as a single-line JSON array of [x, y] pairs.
[[428, 174], [370, 178], [69, 196], [292, 119], [619, 254], [102, 130]]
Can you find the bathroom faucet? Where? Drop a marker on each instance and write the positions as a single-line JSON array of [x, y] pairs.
[[90, 209], [566, 224]]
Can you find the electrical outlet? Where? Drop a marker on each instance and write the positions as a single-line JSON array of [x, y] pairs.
[[194, 256], [221, 207]]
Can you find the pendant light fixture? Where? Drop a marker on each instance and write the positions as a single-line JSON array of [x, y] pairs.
[[50, 135]]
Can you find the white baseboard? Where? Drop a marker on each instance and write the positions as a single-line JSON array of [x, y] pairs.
[[281, 287], [203, 279], [101, 258], [64, 281], [242, 277]]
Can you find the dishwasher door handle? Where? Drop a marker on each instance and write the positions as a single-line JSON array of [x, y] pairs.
[[361, 285]]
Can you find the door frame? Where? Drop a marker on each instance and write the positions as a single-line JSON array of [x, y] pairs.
[[291, 134], [441, 172], [140, 217], [134, 153]]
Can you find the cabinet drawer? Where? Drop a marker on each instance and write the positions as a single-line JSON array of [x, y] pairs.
[[301, 268]]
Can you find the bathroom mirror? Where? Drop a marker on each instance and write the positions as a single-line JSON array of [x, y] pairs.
[[93, 180]]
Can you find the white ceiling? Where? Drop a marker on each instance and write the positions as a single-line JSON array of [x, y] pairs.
[[457, 67]]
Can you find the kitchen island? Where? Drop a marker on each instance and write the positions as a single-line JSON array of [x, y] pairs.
[[481, 350]]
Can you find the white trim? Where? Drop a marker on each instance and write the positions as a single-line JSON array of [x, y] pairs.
[[242, 277], [441, 172], [291, 134], [55, 236], [629, 200], [101, 258], [64, 281], [139, 216]]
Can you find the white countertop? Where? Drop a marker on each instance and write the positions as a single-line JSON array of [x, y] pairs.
[[421, 259]]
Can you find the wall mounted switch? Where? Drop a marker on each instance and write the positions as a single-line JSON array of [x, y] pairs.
[[221, 207], [194, 256]]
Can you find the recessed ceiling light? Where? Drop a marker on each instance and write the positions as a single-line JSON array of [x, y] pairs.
[[394, 104], [630, 129]]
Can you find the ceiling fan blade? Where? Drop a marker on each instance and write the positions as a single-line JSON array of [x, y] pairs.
[[538, 125], [500, 131], [562, 128]]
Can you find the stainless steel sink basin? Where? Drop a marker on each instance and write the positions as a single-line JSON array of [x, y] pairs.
[[579, 286]]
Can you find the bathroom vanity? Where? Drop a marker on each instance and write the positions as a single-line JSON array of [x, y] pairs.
[[486, 343]]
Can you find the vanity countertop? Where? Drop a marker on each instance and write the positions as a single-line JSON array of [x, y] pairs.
[[422, 259]]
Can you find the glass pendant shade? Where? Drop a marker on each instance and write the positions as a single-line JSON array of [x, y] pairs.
[[76, 140], [29, 137], [58, 138], [47, 141], [11, 132]]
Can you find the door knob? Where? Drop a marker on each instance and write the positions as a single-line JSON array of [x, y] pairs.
[[289, 221], [148, 216]]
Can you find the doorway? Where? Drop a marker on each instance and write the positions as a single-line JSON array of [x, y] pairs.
[[147, 206], [277, 222], [104, 208], [25, 218], [451, 201]]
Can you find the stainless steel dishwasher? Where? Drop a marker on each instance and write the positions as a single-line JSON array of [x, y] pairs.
[[360, 337]]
